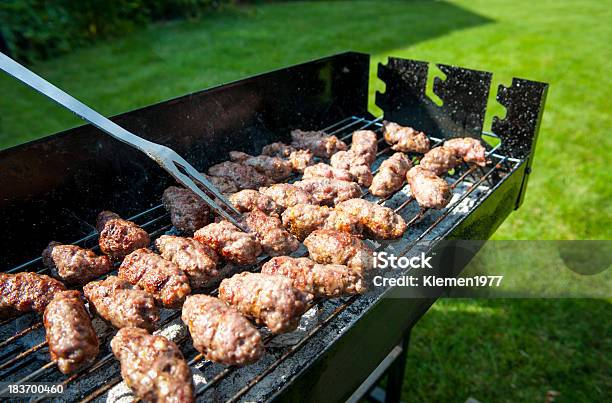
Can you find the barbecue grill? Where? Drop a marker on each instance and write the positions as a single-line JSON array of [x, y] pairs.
[[53, 188]]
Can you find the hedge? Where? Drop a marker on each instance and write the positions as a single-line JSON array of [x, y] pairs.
[[39, 29]]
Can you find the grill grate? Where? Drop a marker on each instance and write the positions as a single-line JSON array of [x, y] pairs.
[[156, 221]]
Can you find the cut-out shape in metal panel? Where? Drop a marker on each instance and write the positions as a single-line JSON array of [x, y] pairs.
[[524, 103], [464, 94]]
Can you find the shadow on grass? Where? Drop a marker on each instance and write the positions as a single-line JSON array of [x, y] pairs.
[[510, 350], [169, 60]]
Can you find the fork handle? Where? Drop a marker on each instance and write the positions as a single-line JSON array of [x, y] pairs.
[[75, 106]]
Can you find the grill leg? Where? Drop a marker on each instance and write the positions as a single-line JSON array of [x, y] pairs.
[[396, 372]]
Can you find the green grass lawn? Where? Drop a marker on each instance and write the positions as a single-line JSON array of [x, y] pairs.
[[498, 350]]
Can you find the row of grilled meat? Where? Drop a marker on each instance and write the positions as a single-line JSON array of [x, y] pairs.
[[323, 210]]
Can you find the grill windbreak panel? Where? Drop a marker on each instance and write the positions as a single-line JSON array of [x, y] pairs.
[[24, 355], [53, 188]]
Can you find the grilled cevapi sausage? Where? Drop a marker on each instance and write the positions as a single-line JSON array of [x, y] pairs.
[[119, 237], [378, 222], [188, 212], [74, 265], [249, 199], [391, 175], [153, 366], [198, 261], [469, 149], [318, 142], [220, 332], [405, 139], [161, 278], [322, 170], [299, 159], [329, 191], [268, 300], [25, 292], [229, 242], [277, 169], [243, 176], [428, 189], [334, 247], [321, 280], [302, 219], [439, 160], [273, 237], [122, 304], [71, 337], [287, 195]]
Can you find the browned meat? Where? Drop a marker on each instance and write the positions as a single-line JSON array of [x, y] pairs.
[[320, 143], [249, 199], [122, 304], [391, 175], [71, 337], [198, 261], [378, 222], [322, 170], [153, 366], [73, 264], [229, 242], [321, 280], [302, 219], [299, 159], [470, 149], [119, 237], [327, 246], [287, 195], [329, 191], [279, 149], [268, 300], [223, 184], [244, 176], [355, 164], [273, 237], [428, 189], [405, 139], [161, 278], [439, 160], [24, 292], [220, 332], [277, 169], [364, 144], [188, 212]]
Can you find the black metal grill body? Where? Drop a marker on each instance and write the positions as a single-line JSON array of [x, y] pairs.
[[53, 188]]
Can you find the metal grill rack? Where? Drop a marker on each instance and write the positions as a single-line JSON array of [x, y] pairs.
[[21, 364]]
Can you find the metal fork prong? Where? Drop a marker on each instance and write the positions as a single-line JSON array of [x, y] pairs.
[[197, 177], [190, 184]]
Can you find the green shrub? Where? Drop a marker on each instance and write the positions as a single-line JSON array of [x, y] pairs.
[[39, 29]]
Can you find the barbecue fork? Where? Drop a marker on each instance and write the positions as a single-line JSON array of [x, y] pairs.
[[167, 158]]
